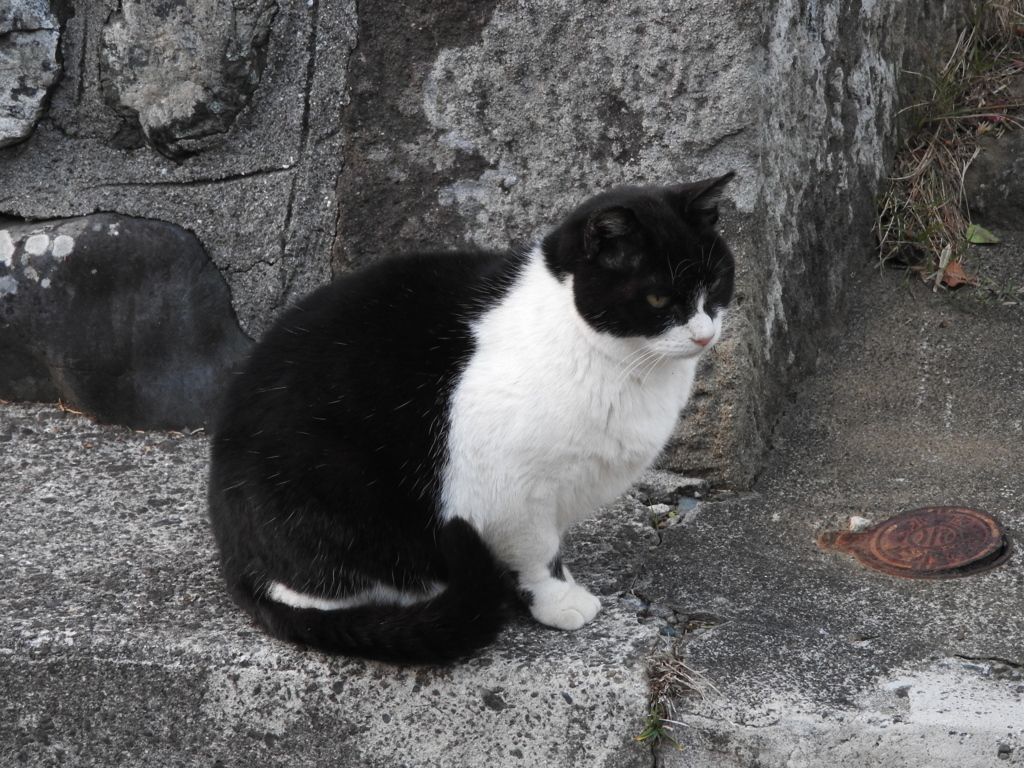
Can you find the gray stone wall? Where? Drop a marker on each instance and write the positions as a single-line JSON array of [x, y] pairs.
[[29, 66], [221, 117], [297, 140]]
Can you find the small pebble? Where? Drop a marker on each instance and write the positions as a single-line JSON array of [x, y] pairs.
[[632, 603], [661, 611], [686, 503]]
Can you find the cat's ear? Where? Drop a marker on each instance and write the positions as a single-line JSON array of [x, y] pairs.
[[699, 201], [605, 226]]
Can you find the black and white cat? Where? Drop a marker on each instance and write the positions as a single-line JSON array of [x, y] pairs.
[[405, 448]]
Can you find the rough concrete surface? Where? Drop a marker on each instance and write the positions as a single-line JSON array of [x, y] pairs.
[[815, 659], [120, 647]]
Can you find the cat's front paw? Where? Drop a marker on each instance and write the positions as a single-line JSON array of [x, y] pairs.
[[563, 605]]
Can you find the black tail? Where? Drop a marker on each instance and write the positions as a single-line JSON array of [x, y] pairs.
[[464, 618]]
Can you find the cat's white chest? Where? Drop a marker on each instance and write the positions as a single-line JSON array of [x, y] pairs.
[[543, 421]]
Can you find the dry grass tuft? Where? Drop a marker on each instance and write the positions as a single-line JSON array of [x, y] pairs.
[[670, 680], [923, 220]]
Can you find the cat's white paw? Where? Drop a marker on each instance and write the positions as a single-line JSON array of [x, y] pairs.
[[563, 605]]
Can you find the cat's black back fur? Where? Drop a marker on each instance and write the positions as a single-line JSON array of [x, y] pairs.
[[326, 455]]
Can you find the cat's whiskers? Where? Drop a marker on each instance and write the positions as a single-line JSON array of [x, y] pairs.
[[639, 351], [672, 272], [658, 357], [644, 357], [628, 365]]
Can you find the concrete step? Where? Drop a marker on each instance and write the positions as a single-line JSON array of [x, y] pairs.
[[120, 646], [815, 659]]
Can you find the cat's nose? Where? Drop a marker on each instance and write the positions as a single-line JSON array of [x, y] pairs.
[[703, 342]]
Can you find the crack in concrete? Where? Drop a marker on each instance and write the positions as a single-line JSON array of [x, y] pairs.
[[311, 40], [991, 660], [314, 31], [229, 179], [82, 65], [231, 269]]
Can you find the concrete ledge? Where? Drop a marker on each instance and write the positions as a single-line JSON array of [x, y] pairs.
[[121, 647]]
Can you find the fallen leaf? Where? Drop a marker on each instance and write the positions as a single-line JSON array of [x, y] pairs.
[[953, 276], [980, 235]]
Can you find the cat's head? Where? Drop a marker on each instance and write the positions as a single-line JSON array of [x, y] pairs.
[[647, 262]]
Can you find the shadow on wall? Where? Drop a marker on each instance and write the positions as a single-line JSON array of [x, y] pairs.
[[125, 319]]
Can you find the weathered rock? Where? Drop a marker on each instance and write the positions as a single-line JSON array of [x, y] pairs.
[[390, 185], [183, 71], [126, 319], [29, 34], [480, 124], [260, 196], [486, 133], [995, 181]]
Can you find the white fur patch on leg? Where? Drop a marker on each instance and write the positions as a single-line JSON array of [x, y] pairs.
[[563, 604]]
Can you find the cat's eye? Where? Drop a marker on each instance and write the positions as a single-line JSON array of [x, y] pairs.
[[657, 301], [715, 285]]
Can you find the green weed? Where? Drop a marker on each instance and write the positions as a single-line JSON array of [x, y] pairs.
[[671, 679], [657, 728]]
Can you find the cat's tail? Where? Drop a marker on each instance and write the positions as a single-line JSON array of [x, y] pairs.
[[463, 618]]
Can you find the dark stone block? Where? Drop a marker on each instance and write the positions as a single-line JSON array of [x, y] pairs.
[[126, 319], [995, 181]]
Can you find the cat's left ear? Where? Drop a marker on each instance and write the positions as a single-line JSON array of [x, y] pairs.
[[699, 200], [605, 226]]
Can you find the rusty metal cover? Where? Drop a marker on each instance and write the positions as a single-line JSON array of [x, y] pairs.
[[929, 543]]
